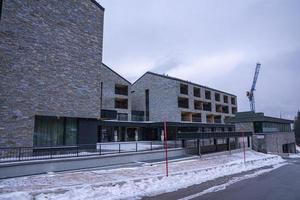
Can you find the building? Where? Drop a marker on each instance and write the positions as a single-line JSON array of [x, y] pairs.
[[115, 95], [270, 134], [55, 90], [50, 58], [162, 97]]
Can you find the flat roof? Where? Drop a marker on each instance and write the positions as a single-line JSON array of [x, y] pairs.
[[244, 117], [183, 81]]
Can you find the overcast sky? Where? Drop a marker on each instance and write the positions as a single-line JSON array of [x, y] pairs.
[[214, 43]]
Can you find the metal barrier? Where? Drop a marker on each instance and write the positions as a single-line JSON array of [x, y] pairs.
[[15, 154]]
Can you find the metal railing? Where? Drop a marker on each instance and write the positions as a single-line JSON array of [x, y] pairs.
[[16, 154]]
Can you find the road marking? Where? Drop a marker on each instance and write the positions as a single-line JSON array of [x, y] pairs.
[[232, 181]]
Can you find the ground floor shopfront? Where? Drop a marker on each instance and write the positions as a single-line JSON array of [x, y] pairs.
[[64, 131]]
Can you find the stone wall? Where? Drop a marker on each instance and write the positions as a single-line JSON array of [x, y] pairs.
[[50, 58], [109, 79], [274, 142], [163, 96]]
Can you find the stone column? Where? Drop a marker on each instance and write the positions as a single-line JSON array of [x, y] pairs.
[[136, 134], [115, 135], [162, 135], [126, 136]]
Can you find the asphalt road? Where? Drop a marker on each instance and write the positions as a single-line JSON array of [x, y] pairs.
[[280, 184]]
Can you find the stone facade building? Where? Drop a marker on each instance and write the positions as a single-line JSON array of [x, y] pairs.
[[50, 58], [167, 98]]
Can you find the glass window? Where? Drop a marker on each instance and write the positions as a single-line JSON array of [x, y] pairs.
[[197, 92], [53, 131], [184, 89], [123, 116], [207, 94], [48, 131], [71, 131]]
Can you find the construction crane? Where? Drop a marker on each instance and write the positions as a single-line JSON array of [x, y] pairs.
[[250, 94]]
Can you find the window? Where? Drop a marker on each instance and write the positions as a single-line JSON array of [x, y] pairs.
[[121, 103], [198, 105], [225, 109], [217, 119], [232, 100], [196, 117], [218, 108], [207, 94], [184, 89], [258, 127], [233, 110], [53, 131], [147, 104], [121, 89], [209, 119], [185, 116], [207, 106], [183, 102], [123, 116], [225, 98], [217, 96], [197, 92], [108, 114]]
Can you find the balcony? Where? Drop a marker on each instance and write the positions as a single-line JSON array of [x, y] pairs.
[[198, 105], [183, 102], [121, 103], [137, 115], [121, 89], [186, 117], [196, 117]]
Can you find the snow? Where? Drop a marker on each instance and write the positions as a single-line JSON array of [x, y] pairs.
[[297, 148], [133, 182]]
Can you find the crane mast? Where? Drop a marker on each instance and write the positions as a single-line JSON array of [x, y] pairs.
[[250, 94]]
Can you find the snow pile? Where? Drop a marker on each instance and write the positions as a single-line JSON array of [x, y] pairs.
[[134, 183], [297, 148]]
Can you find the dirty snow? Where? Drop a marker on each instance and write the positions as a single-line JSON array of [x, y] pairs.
[[133, 182]]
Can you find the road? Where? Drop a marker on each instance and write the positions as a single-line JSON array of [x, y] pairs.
[[280, 184]]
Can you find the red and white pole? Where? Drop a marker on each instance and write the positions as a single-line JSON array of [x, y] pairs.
[[166, 147]]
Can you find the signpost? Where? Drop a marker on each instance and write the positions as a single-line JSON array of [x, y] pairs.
[[166, 146]]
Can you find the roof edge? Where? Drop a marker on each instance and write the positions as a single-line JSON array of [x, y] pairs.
[[116, 73], [181, 80], [98, 5]]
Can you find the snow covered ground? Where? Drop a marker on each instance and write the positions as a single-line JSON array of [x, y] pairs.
[[133, 182]]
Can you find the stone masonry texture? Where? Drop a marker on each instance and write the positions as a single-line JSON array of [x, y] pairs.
[[109, 79], [50, 59]]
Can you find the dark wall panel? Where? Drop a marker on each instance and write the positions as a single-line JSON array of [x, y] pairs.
[[87, 131]]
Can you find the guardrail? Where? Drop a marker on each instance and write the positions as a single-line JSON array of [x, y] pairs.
[[16, 154]]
